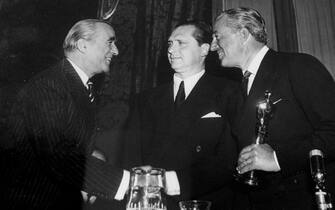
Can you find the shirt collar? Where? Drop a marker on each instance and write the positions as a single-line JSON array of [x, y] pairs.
[[189, 82], [256, 62], [84, 78]]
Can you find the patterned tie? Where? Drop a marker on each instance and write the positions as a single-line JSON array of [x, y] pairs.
[[180, 97], [90, 90], [245, 81]]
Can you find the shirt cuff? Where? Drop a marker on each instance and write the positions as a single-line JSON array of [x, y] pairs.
[[276, 160], [172, 183], [123, 186]]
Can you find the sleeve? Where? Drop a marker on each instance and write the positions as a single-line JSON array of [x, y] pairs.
[[314, 90], [131, 143], [48, 129], [215, 171]]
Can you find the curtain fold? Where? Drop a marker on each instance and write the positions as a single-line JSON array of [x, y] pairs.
[[285, 25], [154, 23], [316, 30], [265, 7], [142, 28]]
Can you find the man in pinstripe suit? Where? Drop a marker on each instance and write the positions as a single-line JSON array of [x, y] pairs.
[[52, 125]]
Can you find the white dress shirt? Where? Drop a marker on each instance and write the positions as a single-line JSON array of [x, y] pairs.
[[189, 83], [172, 182], [123, 187], [84, 78], [254, 65], [253, 69]]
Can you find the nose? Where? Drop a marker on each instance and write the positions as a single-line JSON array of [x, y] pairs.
[[114, 50], [171, 48], [214, 45]]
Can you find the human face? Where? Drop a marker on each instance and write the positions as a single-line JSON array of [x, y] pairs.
[[184, 53], [228, 43], [101, 49]]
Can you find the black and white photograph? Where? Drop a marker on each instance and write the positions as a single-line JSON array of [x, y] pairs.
[[167, 104]]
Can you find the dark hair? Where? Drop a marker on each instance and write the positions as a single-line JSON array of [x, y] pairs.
[[242, 17], [202, 33]]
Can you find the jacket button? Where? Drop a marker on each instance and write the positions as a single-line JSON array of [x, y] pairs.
[[98, 129], [198, 148]]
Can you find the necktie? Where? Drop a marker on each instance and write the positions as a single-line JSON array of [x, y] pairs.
[[180, 97], [90, 90], [245, 81]]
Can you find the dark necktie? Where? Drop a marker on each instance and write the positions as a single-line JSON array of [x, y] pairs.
[[245, 81], [180, 97], [90, 89]]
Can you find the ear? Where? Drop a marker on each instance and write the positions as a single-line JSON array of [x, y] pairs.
[[204, 49], [245, 35], [82, 45]]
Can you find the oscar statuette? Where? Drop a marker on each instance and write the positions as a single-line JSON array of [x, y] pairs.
[[264, 112]]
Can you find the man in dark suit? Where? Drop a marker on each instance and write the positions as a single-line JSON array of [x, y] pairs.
[[303, 94], [185, 124], [53, 125]]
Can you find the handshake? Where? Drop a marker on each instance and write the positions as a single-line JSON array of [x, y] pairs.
[[140, 176]]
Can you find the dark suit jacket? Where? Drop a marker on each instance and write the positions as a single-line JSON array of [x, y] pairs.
[[199, 149], [52, 127], [304, 119]]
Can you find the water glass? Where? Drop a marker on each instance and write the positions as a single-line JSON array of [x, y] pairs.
[[195, 205]]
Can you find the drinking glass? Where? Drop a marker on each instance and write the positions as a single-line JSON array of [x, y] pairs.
[[147, 190], [195, 205]]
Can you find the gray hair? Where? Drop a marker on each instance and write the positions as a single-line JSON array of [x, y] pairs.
[[84, 29], [248, 18]]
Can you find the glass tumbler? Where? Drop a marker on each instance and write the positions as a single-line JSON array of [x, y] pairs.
[[147, 190], [195, 205]]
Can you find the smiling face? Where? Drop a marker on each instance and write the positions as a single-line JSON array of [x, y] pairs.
[[228, 43], [185, 54], [100, 49]]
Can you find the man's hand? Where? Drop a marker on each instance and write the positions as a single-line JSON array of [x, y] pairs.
[[86, 197], [257, 157]]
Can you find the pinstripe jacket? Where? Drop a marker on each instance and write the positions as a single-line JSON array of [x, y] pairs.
[[52, 125]]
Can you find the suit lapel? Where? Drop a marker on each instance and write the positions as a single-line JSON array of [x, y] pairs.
[[75, 85], [78, 91], [265, 77], [264, 80], [162, 100], [161, 103], [180, 122], [200, 100], [195, 105]]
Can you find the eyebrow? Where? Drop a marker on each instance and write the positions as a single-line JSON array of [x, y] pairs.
[[178, 39]]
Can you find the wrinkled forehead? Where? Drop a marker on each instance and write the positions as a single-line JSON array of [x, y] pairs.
[[182, 32]]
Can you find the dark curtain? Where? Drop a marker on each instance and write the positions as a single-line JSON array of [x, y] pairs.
[[285, 25], [31, 36], [142, 28], [154, 22], [316, 30]]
